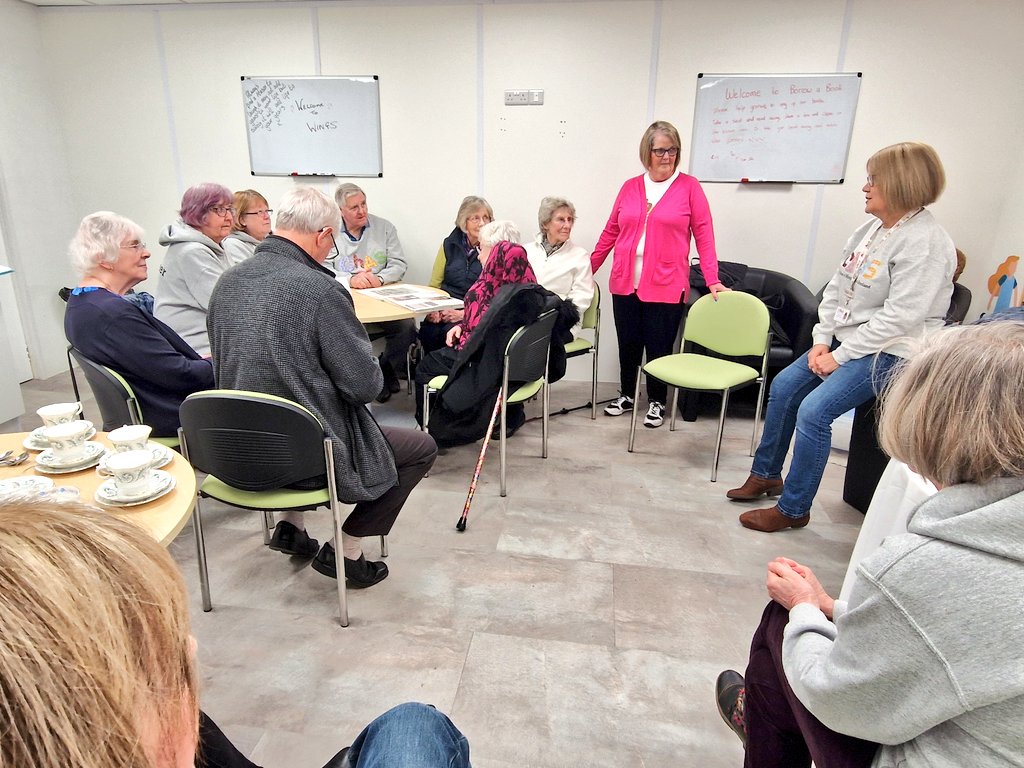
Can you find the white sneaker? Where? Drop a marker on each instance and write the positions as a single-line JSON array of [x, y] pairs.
[[619, 406], [655, 415]]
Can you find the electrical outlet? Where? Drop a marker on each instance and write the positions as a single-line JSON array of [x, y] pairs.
[[518, 98], [536, 97]]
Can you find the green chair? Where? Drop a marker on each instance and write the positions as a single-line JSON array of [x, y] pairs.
[[580, 346], [252, 447], [526, 359], [736, 325], [114, 396]]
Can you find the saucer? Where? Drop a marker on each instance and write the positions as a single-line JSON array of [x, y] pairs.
[[36, 442], [25, 486], [48, 463], [109, 495], [161, 457]]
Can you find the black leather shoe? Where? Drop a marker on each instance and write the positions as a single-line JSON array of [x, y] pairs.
[[361, 573], [293, 541]]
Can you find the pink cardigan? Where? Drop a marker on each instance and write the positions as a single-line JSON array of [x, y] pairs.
[[665, 276]]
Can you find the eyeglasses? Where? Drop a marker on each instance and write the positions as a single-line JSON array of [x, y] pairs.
[[871, 180], [266, 213], [662, 151], [222, 210], [478, 219], [333, 253], [139, 246]]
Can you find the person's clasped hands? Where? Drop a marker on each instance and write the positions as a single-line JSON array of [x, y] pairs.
[[790, 583]]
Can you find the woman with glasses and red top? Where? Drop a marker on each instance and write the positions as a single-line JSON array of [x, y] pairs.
[[194, 261], [648, 234], [251, 226]]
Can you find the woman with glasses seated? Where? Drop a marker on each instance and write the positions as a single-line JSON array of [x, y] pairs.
[[251, 226], [194, 261], [462, 267], [110, 257], [648, 233]]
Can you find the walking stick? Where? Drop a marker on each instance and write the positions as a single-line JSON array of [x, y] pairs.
[[461, 525]]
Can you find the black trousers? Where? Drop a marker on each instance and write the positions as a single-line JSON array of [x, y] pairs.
[[644, 326]]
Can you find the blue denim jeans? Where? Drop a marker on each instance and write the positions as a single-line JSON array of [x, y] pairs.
[[801, 401], [410, 736]]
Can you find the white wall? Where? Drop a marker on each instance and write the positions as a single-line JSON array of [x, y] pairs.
[[149, 101]]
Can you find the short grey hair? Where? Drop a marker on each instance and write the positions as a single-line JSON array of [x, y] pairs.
[[345, 191], [952, 412], [98, 240], [468, 207], [497, 231], [307, 210], [548, 206]]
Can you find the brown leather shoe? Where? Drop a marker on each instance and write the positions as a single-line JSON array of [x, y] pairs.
[[771, 520], [755, 488]]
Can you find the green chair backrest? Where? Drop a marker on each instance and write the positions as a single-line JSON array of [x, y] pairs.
[[437, 271], [252, 441], [589, 319], [736, 325]]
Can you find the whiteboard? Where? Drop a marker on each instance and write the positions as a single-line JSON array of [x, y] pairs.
[[782, 128], [313, 126]]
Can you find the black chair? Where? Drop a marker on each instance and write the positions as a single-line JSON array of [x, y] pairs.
[[252, 447], [114, 396], [526, 360]]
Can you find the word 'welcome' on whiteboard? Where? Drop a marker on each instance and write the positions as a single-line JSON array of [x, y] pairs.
[[324, 126], [783, 128]]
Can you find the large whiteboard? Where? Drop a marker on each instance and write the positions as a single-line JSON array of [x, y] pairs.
[[784, 128], [313, 126]]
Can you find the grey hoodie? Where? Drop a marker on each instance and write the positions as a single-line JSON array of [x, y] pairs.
[[191, 268], [927, 659]]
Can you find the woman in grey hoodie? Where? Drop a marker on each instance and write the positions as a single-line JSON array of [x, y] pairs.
[[923, 666], [194, 261]]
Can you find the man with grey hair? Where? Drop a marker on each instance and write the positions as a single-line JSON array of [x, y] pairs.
[[281, 324], [370, 254]]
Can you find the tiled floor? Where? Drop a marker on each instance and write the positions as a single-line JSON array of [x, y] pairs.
[[581, 621]]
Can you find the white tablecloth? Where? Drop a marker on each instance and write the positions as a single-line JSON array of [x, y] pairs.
[[898, 494]]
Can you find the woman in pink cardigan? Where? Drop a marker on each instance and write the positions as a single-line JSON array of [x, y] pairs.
[[649, 233]]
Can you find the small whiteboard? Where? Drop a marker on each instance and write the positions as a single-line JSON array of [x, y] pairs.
[[782, 128], [313, 126]]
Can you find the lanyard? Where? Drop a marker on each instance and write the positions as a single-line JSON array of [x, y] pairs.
[[870, 247]]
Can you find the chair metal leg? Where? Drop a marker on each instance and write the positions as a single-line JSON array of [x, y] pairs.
[[336, 514], [672, 409], [204, 573], [757, 417], [721, 429], [502, 434], [636, 407], [268, 525], [544, 421], [593, 387], [383, 546]]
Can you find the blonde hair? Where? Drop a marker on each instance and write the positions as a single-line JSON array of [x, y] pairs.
[[95, 649], [245, 200], [953, 412], [647, 141], [909, 175], [1003, 270], [468, 207]]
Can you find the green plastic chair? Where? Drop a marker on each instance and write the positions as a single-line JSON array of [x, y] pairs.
[[252, 446], [737, 325], [581, 346], [526, 359], [114, 395]]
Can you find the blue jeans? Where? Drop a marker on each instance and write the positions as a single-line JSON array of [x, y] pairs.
[[800, 401], [410, 736]]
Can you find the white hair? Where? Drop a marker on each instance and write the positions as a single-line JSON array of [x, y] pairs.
[[548, 206], [345, 191], [98, 240], [496, 231], [307, 210]]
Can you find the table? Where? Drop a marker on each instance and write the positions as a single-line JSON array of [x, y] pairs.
[[373, 310], [163, 518]]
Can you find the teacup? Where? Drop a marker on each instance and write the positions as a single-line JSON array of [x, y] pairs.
[[67, 440], [132, 471], [59, 413], [131, 437]]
